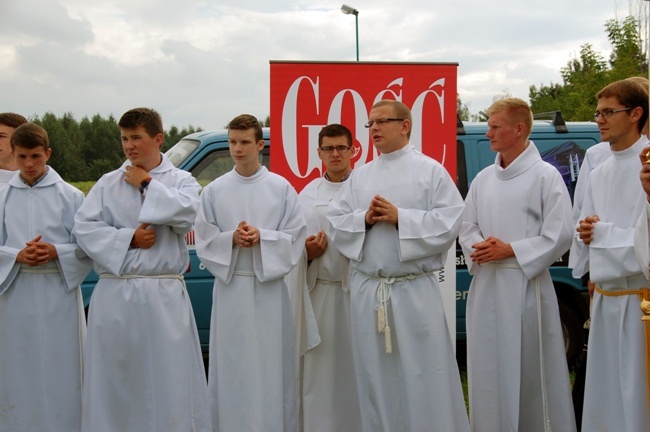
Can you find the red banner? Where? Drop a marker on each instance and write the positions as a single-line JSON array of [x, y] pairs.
[[307, 96]]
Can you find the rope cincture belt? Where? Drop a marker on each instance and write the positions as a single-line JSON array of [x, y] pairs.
[[328, 282], [132, 276], [644, 296], [383, 295]]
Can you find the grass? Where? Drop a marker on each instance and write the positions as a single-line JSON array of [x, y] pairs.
[[83, 186], [463, 382]]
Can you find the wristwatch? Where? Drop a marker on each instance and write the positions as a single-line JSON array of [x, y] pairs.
[[144, 184]]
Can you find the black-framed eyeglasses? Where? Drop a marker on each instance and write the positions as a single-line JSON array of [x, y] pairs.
[[330, 149], [608, 113], [381, 122]]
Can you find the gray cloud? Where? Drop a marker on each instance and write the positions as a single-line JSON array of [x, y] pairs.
[[203, 62]]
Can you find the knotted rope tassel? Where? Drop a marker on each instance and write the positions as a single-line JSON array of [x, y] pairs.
[[383, 295]]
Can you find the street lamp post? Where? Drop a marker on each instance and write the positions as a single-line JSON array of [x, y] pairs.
[[349, 10]]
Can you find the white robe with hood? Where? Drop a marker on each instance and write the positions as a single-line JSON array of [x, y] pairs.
[[144, 370], [616, 390], [517, 370], [252, 376], [417, 386], [42, 325], [329, 391], [5, 176]]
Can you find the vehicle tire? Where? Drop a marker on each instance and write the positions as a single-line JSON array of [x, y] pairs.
[[573, 333]]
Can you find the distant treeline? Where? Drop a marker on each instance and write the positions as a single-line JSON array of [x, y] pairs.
[[85, 150]]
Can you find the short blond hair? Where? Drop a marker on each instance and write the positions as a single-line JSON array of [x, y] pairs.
[[400, 110], [518, 112]]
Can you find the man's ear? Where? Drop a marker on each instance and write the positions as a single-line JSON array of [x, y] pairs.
[[159, 139], [260, 145], [520, 129], [406, 126], [635, 113]]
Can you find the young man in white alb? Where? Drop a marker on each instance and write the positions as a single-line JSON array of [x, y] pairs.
[[517, 222], [395, 219], [616, 386], [250, 233]]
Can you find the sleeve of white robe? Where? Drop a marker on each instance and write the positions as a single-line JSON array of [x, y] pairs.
[[213, 246], [536, 254], [642, 241], [175, 207], [347, 223], [280, 249], [72, 261], [278, 252], [581, 264], [8, 265], [424, 233], [306, 334], [578, 199], [612, 244], [105, 244]]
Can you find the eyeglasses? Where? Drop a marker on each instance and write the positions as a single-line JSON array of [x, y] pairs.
[[381, 122], [608, 113], [330, 149]]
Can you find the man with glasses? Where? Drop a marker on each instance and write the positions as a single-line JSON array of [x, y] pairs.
[[616, 387], [594, 156], [395, 219], [517, 222], [329, 391]]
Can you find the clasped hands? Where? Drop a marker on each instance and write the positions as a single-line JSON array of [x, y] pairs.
[[245, 235], [37, 252], [491, 249], [381, 210]]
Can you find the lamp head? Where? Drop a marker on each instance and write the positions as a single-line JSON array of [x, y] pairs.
[[349, 10]]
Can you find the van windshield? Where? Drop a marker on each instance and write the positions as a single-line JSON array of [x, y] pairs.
[[181, 151]]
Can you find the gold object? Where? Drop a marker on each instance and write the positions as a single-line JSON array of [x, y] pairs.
[[645, 308], [647, 157]]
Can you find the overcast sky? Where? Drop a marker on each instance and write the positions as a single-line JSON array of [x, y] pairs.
[[204, 62]]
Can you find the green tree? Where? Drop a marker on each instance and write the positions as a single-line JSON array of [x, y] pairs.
[[65, 137], [587, 74], [86, 150], [628, 57], [102, 148], [583, 77], [462, 109]]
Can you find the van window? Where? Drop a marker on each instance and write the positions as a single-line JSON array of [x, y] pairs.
[[218, 163], [181, 151]]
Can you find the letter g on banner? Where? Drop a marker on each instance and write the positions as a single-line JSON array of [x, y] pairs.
[[289, 128]]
